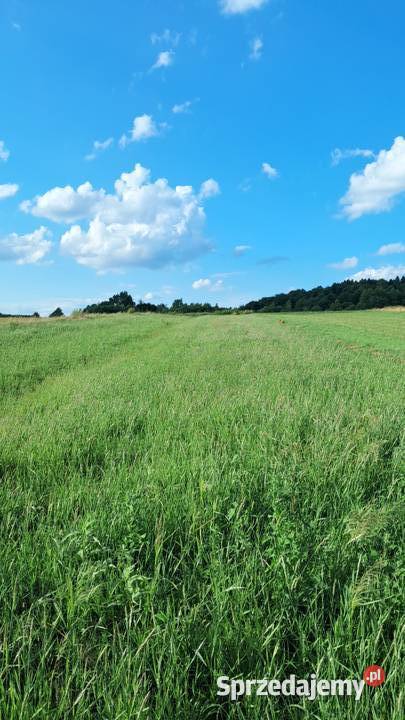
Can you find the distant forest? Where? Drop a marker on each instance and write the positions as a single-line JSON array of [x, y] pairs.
[[347, 295], [34, 315]]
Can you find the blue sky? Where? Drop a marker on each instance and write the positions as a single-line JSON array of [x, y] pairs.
[[215, 150]]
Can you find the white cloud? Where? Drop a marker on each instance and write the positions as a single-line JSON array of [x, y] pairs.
[[112, 246], [346, 264], [270, 171], [209, 188], [16, 26], [167, 36], [375, 189], [4, 153], [164, 60], [208, 284], [26, 249], [387, 272], [143, 128], [8, 190], [65, 204], [256, 48], [234, 7], [99, 147], [144, 223], [241, 249], [202, 283], [391, 249], [182, 107], [337, 155], [133, 180]]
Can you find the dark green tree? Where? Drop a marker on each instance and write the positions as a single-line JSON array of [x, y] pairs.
[[177, 305]]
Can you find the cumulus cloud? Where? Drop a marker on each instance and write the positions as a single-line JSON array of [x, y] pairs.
[[212, 286], [270, 171], [26, 249], [8, 190], [209, 188], [4, 153], [168, 37], [387, 272], [201, 283], [112, 246], [65, 204], [376, 188], [234, 7], [256, 48], [143, 223], [99, 147], [241, 249], [391, 249], [337, 155], [346, 264], [164, 60], [143, 128]]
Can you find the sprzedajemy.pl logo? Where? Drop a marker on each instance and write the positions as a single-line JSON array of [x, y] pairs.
[[373, 676]]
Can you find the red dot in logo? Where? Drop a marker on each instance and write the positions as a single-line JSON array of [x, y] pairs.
[[374, 675]]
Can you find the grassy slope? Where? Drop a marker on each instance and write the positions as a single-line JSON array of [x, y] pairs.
[[183, 498]]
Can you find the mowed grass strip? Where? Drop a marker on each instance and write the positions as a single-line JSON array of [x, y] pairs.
[[188, 497]]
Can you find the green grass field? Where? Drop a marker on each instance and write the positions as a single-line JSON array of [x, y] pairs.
[[188, 497]]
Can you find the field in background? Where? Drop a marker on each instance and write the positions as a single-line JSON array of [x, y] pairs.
[[188, 497]]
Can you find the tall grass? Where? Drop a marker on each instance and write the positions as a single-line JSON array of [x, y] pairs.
[[184, 498]]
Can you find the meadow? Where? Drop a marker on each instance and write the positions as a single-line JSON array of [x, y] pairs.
[[184, 498]]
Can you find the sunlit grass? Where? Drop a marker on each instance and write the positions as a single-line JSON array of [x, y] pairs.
[[188, 497]]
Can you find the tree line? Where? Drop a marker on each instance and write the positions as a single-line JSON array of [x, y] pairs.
[[34, 315], [123, 302], [347, 295]]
